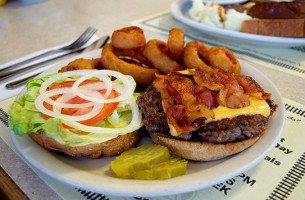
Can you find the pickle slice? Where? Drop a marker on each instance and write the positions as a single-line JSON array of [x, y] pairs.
[[171, 168], [137, 159]]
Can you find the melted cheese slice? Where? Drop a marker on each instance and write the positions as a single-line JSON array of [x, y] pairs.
[[256, 106]]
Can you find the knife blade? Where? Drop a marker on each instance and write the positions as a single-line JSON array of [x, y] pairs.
[[99, 43]]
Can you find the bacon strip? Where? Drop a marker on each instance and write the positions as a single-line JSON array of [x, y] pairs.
[[209, 79], [232, 95], [178, 118], [206, 97], [252, 88]]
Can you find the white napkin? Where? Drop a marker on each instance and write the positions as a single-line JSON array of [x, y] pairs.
[[7, 93]]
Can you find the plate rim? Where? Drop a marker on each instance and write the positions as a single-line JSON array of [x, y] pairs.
[[177, 13], [151, 193]]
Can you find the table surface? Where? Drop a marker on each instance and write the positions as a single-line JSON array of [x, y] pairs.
[[27, 28]]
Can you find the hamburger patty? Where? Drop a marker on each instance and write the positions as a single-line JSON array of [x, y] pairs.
[[237, 128], [150, 104], [225, 130]]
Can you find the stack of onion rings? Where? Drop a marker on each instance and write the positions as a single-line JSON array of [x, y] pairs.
[[124, 54], [130, 54]]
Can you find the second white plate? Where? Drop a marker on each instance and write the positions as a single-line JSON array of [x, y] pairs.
[[179, 10]]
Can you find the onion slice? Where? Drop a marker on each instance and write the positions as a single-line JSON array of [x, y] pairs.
[[97, 100], [129, 86], [46, 96], [60, 76], [56, 113]]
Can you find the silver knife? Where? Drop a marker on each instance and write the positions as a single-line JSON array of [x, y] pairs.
[[14, 84], [97, 44]]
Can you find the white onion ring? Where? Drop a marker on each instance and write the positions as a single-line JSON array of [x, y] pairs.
[[94, 86], [43, 98], [62, 99], [48, 94], [106, 80], [129, 87], [67, 96]]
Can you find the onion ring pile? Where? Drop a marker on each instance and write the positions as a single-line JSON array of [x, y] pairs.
[[130, 54], [124, 54]]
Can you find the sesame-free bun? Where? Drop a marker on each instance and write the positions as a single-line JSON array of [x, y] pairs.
[[202, 150], [109, 148]]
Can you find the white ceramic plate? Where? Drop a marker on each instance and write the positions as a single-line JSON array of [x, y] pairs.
[[224, 2], [96, 175], [179, 10]]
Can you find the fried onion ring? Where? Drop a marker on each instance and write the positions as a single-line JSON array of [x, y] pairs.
[[141, 75], [82, 63], [128, 38], [135, 54], [193, 55], [175, 43], [156, 52], [225, 59]]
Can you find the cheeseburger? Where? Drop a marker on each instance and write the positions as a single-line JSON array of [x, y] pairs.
[[205, 114]]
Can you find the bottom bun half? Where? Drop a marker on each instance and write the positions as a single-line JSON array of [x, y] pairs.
[[109, 148], [202, 150]]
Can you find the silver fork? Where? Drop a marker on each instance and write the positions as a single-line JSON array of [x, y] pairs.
[[99, 43], [79, 42]]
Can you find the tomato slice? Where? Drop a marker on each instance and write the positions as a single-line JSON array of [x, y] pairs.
[[107, 109]]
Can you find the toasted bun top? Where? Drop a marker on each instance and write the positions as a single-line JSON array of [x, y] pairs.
[[201, 150], [111, 147]]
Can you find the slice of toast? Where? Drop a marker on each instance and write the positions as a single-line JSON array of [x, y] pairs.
[[275, 27]]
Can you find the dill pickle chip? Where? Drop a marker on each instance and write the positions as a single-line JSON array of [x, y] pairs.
[[171, 168], [137, 159]]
